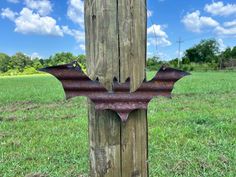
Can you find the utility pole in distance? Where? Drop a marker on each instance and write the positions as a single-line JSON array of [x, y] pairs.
[[179, 42]]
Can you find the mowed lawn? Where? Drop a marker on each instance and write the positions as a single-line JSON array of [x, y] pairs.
[[193, 134]]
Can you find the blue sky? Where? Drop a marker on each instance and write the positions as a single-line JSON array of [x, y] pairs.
[[44, 27]]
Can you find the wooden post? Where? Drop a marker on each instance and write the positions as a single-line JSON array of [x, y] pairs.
[[116, 47]]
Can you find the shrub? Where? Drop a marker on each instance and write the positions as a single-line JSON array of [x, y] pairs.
[[30, 70]]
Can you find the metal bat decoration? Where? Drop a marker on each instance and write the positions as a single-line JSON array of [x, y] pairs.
[[76, 83]]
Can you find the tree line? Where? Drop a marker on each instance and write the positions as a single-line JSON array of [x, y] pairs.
[[203, 56], [23, 64]]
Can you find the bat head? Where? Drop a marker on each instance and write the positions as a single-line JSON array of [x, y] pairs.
[[121, 87]]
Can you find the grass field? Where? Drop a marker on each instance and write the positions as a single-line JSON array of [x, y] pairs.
[[193, 134]]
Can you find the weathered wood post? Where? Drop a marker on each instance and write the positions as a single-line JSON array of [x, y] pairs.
[[116, 47]]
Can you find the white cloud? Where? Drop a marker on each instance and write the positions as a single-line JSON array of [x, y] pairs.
[[75, 11], [149, 13], [221, 9], [181, 53], [35, 55], [157, 36], [230, 23], [77, 34], [29, 22], [163, 42], [43, 7], [67, 30], [156, 30], [222, 46], [195, 22], [161, 55], [32, 19], [8, 13], [13, 1], [226, 31], [149, 55], [82, 46]]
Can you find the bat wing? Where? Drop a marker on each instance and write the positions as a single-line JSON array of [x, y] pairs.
[[74, 81], [163, 82], [123, 102]]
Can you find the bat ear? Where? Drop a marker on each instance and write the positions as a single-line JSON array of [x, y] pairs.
[[97, 79], [75, 65], [128, 83], [127, 80], [115, 80]]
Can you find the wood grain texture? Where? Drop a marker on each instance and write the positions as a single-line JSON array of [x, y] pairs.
[[103, 62], [132, 42], [116, 47], [102, 40]]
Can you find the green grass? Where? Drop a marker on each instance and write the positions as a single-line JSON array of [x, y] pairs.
[[193, 134]]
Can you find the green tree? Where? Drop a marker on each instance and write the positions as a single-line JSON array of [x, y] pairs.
[[154, 63], [37, 63], [185, 60], [19, 61], [4, 62], [204, 52], [81, 59], [174, 62], [228, 58], [61, 58], [225, 55], [233, 53]]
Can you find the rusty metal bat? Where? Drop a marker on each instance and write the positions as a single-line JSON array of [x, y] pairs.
[[76, 83]]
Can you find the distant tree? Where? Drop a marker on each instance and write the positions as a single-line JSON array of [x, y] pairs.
[[4, 62], [62, 58], [154, 63], [205, 52], [46, 62], [19, 61], [81, 59], [174, 62], [227, 54], [233, 52], [37, 63], [185, 60], [228, 58]]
